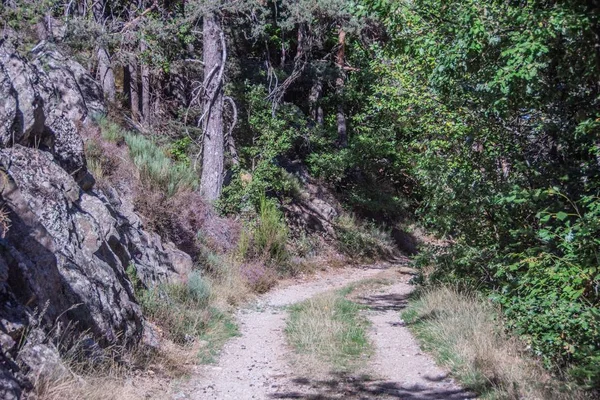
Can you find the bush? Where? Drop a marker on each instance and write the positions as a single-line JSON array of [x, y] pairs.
[[185, 310], [257, 276], [545, 276]]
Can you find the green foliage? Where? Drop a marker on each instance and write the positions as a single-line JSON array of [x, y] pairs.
[[265, 238], [485, 106], [156, 169], [272, 140], [551, 288], [179, 150]]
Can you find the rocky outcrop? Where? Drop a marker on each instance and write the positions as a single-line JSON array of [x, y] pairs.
[[64, 259]]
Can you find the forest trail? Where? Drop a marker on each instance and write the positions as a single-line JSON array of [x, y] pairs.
[[256, 365]]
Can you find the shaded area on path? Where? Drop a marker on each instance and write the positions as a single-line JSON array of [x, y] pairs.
[[342, 386]]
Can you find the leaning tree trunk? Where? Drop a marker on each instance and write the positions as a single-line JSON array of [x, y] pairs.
[[214, 54], [105, 71], [339, 86]]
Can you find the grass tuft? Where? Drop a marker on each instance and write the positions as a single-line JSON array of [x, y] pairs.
[[111, 131], [464, 333], [329, 331], [271, 233], [157, 170]]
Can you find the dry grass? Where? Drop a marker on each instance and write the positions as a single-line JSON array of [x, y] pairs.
[[329, 334], [464, 333], [153, 376]]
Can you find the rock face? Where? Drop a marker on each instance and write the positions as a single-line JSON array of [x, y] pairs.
[[65, 247], [315, 208]]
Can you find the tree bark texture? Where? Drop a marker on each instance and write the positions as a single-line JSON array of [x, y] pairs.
[[211, 181], [145, 74], [339, 85], [105, 72], [134, 89], [316, 92], [235, 158]]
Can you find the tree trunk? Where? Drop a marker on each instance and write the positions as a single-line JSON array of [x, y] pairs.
[[106, 74], [214, 54], [105, 71], [316, 92], [145, 69], [134, 89], [339, 85]]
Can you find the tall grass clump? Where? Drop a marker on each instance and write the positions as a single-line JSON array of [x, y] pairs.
[[110, 130], [271, 234], [362, 240], [158, 170], [265, 238], [464, 332], [186, 312], [329, 331]]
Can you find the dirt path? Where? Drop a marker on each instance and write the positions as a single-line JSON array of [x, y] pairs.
[[256, 364]]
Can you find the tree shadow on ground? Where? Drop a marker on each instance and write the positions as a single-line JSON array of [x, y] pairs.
[[384, 302], [343, 386]]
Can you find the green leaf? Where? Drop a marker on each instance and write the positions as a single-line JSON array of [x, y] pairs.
[[562, 215]]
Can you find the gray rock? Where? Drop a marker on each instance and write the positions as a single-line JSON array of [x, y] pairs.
[[9, 386], [43, 362], [79, 96], [40, 110], [315, 208], [69, 245], [61, 241], [22, 115]]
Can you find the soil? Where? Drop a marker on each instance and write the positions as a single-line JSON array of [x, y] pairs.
[[258, 363]]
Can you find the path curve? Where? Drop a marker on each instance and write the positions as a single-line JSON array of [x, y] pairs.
[[256, 365]]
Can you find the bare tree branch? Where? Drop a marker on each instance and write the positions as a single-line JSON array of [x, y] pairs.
[[230, 141]]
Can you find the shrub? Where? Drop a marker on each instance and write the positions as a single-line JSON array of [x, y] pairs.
[[257, 276], [185, 309], [545, 275]]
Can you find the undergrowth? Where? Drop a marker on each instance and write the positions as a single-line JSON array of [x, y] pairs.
[[187, 312], [464, 333], [362, 240]]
